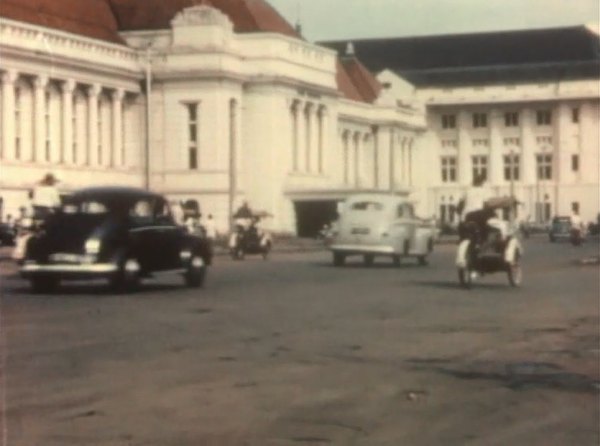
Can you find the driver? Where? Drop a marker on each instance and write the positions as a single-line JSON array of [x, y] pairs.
[[474, 209], [243, 216]]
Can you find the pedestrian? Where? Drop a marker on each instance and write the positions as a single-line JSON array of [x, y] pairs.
[[210, 228], [178, 212], [46, 198]]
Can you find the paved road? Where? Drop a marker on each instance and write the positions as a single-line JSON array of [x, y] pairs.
[[292, 351]]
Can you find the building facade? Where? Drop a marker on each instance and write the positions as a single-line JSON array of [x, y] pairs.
[[520, 108], [222, 101], [239, 106]]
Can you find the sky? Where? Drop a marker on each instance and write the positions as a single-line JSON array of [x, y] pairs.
[[354, 19]]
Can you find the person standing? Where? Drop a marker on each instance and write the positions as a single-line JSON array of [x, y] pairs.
[[46, 197], [210, 228]]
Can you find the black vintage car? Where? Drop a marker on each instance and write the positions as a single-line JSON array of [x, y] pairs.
[[121, 234]]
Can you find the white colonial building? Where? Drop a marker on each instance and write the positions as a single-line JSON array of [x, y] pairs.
[[222, 101], [239, 106], [521, 108]]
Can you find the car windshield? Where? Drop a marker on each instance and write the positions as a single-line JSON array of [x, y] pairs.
[[366, 206], [88, 207]]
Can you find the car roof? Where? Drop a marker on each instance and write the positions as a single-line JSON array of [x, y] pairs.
[[114, 192]]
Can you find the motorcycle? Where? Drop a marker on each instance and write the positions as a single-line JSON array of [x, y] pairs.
[[478, 255], [248, 239]]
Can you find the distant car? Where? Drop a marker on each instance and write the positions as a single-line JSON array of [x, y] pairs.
[[381, 225], [561, 229], [119, 234], [7, 235]]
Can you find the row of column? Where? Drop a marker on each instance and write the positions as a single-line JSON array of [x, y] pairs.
[[366, 155], [68, 150], [309, 130]]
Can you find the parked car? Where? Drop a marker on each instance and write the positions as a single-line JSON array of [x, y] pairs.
[[120, 234], [562, 230], [381, 225]]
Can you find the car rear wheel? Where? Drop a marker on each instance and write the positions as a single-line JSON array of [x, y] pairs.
[[127, 278], [196, 272], [338, 259], [44, 284]]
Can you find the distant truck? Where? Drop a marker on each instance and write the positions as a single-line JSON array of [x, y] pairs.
[[373, 225]]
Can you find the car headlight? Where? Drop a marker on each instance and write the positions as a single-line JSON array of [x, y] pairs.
[[92, 246]]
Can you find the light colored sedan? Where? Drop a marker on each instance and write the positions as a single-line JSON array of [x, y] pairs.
[[381, 225]]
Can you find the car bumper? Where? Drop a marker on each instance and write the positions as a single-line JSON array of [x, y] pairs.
[[362, 249], [69, 271]]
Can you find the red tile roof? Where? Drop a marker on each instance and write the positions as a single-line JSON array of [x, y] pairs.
[[247, 15], [89, 18], [355, 81]]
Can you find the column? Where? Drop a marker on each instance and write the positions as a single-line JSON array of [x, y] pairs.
[[465, 175], [315, 125], [529, 147], [375, 136], [8, 115], [39, 118], [301, 135], [66, 151], [308, 139], [295, 115], [91, 157], [496, 160], [357, 158], [116, 149], [588, 143], [561, 158], [392, 159]]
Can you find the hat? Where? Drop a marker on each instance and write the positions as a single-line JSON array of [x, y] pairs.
[[49, 180]]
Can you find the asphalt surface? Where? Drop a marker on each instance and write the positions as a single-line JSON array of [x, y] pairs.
[[292, 351]]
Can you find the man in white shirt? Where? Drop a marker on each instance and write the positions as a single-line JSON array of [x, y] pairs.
[[210, 228], [576, 221], [45, 196]]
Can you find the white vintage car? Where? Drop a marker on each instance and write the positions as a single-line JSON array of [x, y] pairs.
[[381, 225]]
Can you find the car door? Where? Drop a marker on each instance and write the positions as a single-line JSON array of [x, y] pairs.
[[145, 240], [171, 237]]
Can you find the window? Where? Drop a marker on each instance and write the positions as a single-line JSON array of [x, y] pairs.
[[481, 142], [479, 120], [513, 141], [575, 206], [575, 115], [367, 206], [544, 166], [192, 110], [449, 143], [448, 121], [511, 119], [448, 169], [575, 163], [544, 117], [480, 166], [511, 167]]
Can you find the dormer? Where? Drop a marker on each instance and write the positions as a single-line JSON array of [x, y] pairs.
[[201, 26]]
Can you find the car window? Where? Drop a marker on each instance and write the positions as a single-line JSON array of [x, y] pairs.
[[367, 206], [162, 212], [141, 212], [85, 207]]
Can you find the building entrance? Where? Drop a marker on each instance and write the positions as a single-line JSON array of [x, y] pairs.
[[311, 216]]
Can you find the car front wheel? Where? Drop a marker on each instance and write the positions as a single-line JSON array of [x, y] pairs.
[[127, 278], [196, 272]]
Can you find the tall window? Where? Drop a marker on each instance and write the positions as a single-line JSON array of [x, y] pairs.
[[511, 119], [544, 166], [479, 120], [575, 115], [575, 163], [512, 167], [448, 169], [544, 117], [448, 121], [480, 166], [18, 104], [192, 110]]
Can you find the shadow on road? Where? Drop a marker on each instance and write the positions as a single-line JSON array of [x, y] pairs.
[[95, 289]]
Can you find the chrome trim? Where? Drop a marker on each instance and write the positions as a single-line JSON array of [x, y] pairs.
[[98, 268], [364, 248]]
